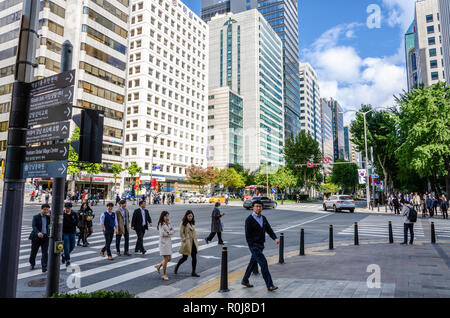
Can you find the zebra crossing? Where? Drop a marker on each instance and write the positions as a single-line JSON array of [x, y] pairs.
[[96, 272], [376, 226]]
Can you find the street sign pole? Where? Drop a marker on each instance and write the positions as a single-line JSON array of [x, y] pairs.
[[58, 201], [13, 191]]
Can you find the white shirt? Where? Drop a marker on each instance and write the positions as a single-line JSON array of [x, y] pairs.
[[143, 216]]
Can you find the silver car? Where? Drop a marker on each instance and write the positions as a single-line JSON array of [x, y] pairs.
[[339, 203]]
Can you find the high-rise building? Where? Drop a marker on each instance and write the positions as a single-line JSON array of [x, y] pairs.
[[282, 16], [166, 110], [337, 128], [410, 57], [444, 12], [310, 102], [428, 41], [245, 54], [225, 128], [98, 31], [327, 131]]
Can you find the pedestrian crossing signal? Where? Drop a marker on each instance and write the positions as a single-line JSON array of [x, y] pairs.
[[89, 146]]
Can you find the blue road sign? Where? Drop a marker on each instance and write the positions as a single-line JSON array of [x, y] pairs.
[[274, 190]]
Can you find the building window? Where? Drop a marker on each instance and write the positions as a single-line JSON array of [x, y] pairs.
[[433, 64], [429, 18], [432, 41], [430, 29], [434, 76], [432, 52]]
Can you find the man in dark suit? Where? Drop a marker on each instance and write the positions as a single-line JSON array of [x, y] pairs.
[[139, 223], [256, 227], [39, 237]]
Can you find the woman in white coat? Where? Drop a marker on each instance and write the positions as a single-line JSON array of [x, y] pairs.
[[165, 242]]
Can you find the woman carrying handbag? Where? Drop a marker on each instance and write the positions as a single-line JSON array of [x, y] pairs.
[[189, 243]]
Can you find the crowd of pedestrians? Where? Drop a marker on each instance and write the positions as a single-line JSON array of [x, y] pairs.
[[429, 204]]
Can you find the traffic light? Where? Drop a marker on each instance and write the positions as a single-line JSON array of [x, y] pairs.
[[89, 146]]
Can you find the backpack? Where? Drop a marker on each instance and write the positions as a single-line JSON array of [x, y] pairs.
[[412, 215]]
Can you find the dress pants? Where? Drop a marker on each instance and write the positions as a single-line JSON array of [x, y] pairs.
[[43, 244], [126, 235], [410, 227], [140, 241], [219, 236], [258, 258], [109, 234]]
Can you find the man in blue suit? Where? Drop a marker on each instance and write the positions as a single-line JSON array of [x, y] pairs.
[[256, 227], [39, 237]]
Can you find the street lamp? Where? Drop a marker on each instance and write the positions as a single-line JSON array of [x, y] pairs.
[[365, 145]]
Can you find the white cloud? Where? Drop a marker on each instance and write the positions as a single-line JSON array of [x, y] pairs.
[[352, 80], [399, 12]]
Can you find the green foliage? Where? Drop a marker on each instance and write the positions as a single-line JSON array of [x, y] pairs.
[[299, 150], [284, 179], [134, 169], [230, 178], [201, 177], [330, 188], [247, 176], [97, 294], [262, 175], [116, 169], [73, 156], [345, 176]]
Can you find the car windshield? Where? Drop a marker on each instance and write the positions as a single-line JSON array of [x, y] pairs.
[[256, 198], [345, 197]]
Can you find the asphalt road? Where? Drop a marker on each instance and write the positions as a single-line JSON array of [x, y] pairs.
[[137, 274]]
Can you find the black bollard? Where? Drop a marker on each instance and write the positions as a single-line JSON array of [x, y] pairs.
[[302, 242], [331, 246], [356, 234], [391, 235], [433, 234], [224, 272], [281, 254]]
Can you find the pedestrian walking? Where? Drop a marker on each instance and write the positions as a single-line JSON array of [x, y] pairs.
[[435, 205], [172, 197], [123, 222], [416, 202], [82, 223], [396, 205], [444, 207], [189, 242], [163, 198], [139, 223], [108, 220], [47, 197], [39, 237], [423, 203], [165, 242], [70, 222], [226, 198], [256, 227], [430, 206], [216, 224], [409, 218]]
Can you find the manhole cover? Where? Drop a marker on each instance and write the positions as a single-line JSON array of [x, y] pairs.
[[41, 282]]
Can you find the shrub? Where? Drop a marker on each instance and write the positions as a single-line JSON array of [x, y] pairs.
[[97, 294]]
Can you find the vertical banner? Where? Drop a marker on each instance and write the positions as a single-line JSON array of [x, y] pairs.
[[362, 176]]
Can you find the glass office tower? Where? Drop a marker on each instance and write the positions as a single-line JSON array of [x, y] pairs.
[[283, 18]]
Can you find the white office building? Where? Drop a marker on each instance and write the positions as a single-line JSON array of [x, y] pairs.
[[98, 32], [444, 12], [246, 55], [310, 119], [166, 108]]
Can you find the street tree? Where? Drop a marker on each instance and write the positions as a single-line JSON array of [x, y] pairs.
[[229, 178], [200, 176], [116, 170], [247, 176], [330, 188], [381, 136], [425, 133], [284, 179], [73, 167], [299, 150], [345, 176]]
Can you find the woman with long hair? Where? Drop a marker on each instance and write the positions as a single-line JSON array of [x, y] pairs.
[[165, 242], [85, 215], [189, 243]]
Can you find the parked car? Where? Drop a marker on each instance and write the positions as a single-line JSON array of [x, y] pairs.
[[127, 195], [267, 203], [218, 198], [197, 199], [339, 203]]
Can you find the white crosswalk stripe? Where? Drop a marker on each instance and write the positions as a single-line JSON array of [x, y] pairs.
[[377, 227]]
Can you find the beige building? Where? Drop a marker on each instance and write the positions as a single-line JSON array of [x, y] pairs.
[[310, 119]]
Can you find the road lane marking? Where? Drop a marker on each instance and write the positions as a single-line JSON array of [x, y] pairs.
[[290, 227]]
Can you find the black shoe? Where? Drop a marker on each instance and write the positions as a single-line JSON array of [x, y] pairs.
[[63, 260], [32, 267], [206, 240], [143, 252], [403, 243], [247, 284], [220, 243], [195, 275], [67, 263], [78, 244], [44, 270], [272, 288], [410, 243], [85, 245]]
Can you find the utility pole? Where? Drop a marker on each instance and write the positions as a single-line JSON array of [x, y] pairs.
[[57, 202], [13, 191], [367, 165]]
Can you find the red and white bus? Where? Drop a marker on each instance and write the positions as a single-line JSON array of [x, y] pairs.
[[254, 191]]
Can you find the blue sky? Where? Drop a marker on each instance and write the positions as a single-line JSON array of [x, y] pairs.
[[355, 64]]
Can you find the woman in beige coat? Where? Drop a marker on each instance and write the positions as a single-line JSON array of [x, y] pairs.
[[165, 242], [189, 243]]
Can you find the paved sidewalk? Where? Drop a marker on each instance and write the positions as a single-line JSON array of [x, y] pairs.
[[419, 270]]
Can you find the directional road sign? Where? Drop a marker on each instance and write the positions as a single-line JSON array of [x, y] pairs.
[[51, 132], [46, 170], [50, 115], [46, 153], [54, 98], [274, 190], [56, 81]]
